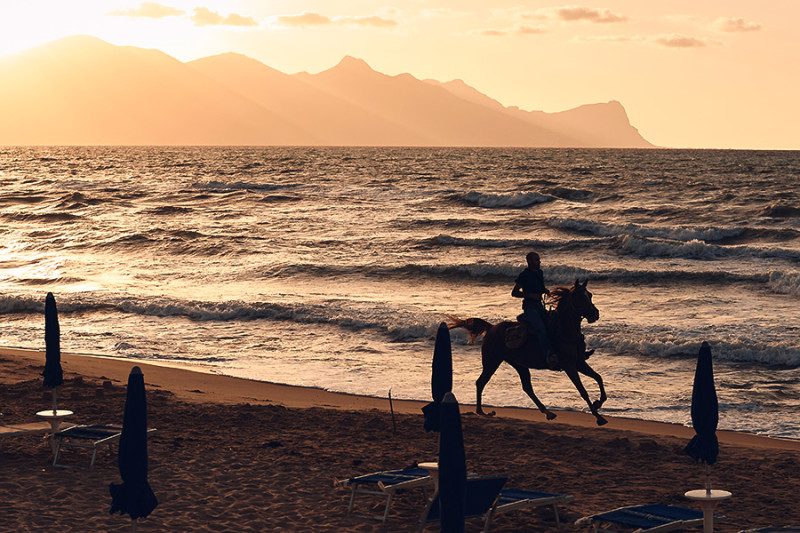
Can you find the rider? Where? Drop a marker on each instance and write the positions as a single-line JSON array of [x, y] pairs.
[[530, 287]]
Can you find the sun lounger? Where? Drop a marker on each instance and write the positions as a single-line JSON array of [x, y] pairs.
[[774, 529], [514, 499], [385, 484], [91, 436], [482, 494], [653, 518], [33, 428]]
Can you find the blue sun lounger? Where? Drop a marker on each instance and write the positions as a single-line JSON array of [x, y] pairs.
[[653, 518], [384, 484], [514, 499], [482, 495]]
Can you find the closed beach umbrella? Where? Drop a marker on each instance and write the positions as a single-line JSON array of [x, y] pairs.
[[704, 446], [53, 374], [134, 495], [441, 377], [452, 467]]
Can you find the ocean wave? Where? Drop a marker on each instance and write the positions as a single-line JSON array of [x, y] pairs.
[[785, 283], [554, 274], [696, 249], [575, 195], [242, 186], [658, 343], [781, 211], [22, 199], [449, 240], [677, 233], [397, 324], [41, 217], [168, 210], [515, 200]]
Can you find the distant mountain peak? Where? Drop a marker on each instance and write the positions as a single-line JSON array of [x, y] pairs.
[[353, 64]]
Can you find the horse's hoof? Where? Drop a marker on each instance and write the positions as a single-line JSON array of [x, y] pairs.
[[550, 416], [486, 414], [601, 421]]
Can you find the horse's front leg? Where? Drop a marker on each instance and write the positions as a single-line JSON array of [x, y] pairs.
[[586, 370], [572, 372], [525, 378]]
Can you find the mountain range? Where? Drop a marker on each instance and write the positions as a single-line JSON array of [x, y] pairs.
[[81, 90]]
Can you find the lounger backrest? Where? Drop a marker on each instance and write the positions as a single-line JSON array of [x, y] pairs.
[[481, 494]]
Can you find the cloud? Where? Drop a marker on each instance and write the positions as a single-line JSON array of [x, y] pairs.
[[669, 41], [610, 38], [148, 10], [310, 18], [205, 17], [681, 41], [302, 20], [590, 14], [735, 25], [506, 32], [529, 30], [369, 20]]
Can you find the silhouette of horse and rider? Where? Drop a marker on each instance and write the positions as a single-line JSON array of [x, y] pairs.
[[540, 338]]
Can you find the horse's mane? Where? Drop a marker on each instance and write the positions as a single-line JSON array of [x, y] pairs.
[[558, 294]]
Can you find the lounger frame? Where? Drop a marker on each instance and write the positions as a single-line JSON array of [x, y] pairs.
[[90, 437], [514, 500], [384, 484], [653, 512]]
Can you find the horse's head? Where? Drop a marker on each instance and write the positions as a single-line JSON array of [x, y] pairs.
[[575, 301], [581, 299]]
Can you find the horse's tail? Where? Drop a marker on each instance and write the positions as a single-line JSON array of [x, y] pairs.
[[455, 322], [475, 326]]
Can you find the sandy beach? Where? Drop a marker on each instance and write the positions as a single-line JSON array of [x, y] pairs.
[[234, 455]]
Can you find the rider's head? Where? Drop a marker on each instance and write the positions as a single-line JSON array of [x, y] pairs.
[[533, 260]]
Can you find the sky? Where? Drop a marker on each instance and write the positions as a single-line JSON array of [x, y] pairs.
[[690, 74]]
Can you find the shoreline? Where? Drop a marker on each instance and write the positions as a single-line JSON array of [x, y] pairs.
[[200, 385]]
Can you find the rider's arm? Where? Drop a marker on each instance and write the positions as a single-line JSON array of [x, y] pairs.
[[517, 292]]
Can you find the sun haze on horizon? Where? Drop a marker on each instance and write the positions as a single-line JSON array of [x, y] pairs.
[[714, 75]]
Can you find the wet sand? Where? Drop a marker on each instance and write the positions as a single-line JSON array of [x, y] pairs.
[[238, 455]]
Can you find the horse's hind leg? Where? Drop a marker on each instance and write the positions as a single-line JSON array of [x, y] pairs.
[[525, 378], [489, 368], [586, 370]]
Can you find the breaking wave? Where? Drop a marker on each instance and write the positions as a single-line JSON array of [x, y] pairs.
[[515, 200]]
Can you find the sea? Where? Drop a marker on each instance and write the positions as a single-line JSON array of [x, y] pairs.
[[333, 267]]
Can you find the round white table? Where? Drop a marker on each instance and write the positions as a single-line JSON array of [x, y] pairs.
[[55, 418], [708, 500], [433, 470]]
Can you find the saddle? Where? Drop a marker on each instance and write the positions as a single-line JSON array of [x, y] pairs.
[[517, 335]]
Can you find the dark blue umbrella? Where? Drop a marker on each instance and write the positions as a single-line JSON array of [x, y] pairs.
[[134, 495], [441, 377], [704, 446], [53, 374], [452, 467]]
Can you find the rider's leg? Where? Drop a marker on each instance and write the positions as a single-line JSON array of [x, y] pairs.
[[535, 320]]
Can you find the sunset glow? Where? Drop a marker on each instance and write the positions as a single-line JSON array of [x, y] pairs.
[[710, 75]]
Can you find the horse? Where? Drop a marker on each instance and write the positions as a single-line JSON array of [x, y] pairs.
[[572, 305]]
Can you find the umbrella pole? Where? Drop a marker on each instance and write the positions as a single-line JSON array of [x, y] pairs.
[[708, 478], [133, 525], [55, 402]]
